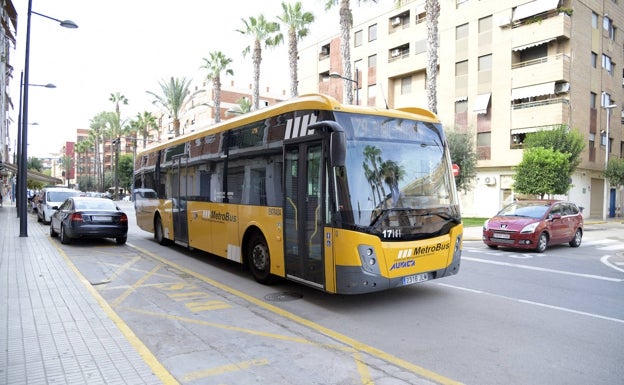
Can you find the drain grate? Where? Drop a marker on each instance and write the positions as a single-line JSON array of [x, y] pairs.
[[283, 296]]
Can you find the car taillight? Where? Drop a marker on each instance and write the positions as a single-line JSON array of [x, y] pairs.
[[76, 217], [123, 218]]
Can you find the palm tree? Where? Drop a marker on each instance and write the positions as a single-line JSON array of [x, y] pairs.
[[297, 23], [117, 98], [146, 121], [82, 148], [260, 30], [432, 10], [96, 135], [346, 21], [217, 63], [174, 95]]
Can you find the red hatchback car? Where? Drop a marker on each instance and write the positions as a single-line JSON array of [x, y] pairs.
[[534, 224]]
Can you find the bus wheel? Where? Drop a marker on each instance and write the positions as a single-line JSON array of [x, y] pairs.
[[158, 231], [259, 259]]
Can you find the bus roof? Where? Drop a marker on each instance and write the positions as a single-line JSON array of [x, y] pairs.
[[302, 102]]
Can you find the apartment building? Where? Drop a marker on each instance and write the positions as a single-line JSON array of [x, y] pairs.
[[8, 21], [506, 69]]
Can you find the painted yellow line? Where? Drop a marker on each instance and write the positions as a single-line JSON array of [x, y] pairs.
[[426, 373], [133, 288], [223, 369], [147, 356]]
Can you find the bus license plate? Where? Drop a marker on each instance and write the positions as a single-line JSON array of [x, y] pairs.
[[501, 235], [410, 279]]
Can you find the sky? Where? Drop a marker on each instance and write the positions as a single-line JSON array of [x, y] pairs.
[[129, 46]]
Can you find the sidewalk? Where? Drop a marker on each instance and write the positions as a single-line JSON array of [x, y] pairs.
[[54, 327]]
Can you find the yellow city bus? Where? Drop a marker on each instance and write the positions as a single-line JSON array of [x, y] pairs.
[[345, 199]]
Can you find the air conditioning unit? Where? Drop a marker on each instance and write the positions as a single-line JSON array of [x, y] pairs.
[[489, 180], [395, 52], [396, 21]]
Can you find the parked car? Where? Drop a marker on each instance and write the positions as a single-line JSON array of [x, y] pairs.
[[534, 224], [87, 217], [50, 197]]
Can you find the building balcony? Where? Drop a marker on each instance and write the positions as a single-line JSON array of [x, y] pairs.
[[542, 113], [542, 70], [548, 28]]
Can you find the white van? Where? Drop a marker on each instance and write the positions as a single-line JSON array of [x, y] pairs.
[[52, 197]]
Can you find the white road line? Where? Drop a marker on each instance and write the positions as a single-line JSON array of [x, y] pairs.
[[591, 276], [564, 309], [605, 260]]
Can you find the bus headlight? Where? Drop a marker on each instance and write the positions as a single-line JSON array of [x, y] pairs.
[[369, 259]]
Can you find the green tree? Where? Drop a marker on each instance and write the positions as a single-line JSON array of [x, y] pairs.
[[125, 172], [173, 97], [261, 31], [539, 172], [463, 154], [297, 22], [615, 175], [34, 164], [215, 65], [559, 139], [67, 163]]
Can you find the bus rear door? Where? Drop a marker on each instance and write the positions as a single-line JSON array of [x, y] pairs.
[[180, 181]]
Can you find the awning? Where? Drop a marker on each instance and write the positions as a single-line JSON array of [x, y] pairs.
[[534, 8], [31, 174], [482, 103], [526, 130], [535, 44], [532, 91], [461, 99]]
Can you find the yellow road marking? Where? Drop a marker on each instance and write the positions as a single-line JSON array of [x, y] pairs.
[[133, 288], [224, 369], [312, 325], [147, 356], [207, 305]]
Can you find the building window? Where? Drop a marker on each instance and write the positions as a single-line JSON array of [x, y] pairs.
[[606, 100], [592, 99], [406, 85], [485, 63], [594, 20], [372, 61], [324, 54], [420, 13], [461, 68], [357, 38], [607, 64], [536, 54], [485, 24], [484, 145], [372, 32], [461, 32], [461, 114], [594, 59], [420, 46], [607, 25]]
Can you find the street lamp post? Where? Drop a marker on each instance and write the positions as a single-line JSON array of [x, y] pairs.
[[22, 173], [605, 206], [336, 75], [18, 193]]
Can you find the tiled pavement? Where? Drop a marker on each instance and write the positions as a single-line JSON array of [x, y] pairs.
[[54, 327]]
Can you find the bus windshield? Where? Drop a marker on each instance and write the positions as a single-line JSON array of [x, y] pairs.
[[397, 174]]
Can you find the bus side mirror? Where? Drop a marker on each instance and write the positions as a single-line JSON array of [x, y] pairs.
[[337, 149]]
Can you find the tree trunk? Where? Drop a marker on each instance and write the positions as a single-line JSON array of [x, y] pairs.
[[432, 9]]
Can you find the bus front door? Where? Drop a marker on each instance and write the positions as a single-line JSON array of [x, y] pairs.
[[180, 224], [303, 214]]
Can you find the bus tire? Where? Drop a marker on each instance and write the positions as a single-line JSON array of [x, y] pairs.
[[159, 234], [259, 258]]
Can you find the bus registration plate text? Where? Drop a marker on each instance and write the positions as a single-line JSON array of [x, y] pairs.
[[417, 278]]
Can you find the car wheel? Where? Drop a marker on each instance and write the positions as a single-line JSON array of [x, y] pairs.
[[578, 236], [63, 234], [159, 234], [45, 221], [121, 240], [542, 242], [53, 233], [259, 259]]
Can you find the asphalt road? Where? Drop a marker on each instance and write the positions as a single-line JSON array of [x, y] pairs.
[[508, 317]]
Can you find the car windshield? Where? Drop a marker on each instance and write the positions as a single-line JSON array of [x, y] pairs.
[[95, 204], [60, 196], [525, 209]]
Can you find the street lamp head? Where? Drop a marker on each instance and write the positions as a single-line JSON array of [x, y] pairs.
[[68, 24], [335, 75]]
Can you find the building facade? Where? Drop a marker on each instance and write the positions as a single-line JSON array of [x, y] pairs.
[[506, 69]]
